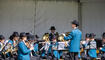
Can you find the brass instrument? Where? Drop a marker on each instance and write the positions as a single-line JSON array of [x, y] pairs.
[[61, 38], [2, 47], [46, 43], [45, 37], [9, 49], [82, 49]]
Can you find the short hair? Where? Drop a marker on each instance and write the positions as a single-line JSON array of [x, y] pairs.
[[92, 35], [103, 35], [87, 35], [75, 22], [2, 37], [22, 34]]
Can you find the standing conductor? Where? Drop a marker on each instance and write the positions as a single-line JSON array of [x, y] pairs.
[[74, 37]]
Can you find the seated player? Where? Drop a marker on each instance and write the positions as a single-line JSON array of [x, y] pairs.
[[103, 42], [2, 44], [92, 47], [83, 46], [54, 49], [35, 40]]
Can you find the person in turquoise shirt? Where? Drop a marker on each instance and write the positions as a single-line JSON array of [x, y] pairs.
[[14, 39], [103, 42], [23, 50], [35, 44], [84, 45], [74, 36], [52, 35], [102, 49], [13, 42], [2, 42], [57, 54], [92, 47]]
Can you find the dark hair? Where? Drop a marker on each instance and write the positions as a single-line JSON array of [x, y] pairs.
[[75, 22], [11, 37], [28, 36], [52, 28], [15, 34], [22, 34], [33, 37], [87, 35], [36, 36], [103, 35], [2, 37], [92, 35]]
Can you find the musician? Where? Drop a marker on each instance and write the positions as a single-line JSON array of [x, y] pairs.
[[102, 49], [46, 49], [14, 39], [13, 43], [2, 39], [92, 47], [33, 42], [52, 35], [35, 38], [75, 37], [103, 42], [56, 53], [2, 42], [87, 39], [83, 46], [23, 49]]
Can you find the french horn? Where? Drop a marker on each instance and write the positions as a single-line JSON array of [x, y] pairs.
[[45, 37], [61, 38]]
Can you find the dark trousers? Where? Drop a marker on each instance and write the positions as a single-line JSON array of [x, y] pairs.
[[73, 56]]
